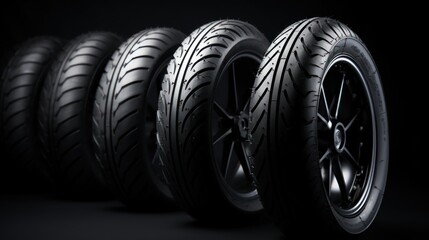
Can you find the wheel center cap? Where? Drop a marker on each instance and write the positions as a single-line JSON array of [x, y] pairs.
[[339, 137]]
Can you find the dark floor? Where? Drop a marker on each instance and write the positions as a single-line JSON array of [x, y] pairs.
[[46, 216]]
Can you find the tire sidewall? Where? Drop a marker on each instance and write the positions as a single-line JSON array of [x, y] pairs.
[[159, 70]]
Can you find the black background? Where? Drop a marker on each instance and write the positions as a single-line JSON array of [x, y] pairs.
[[396, 43]]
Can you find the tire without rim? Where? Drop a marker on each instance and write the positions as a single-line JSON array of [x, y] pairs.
[[124, 118], [20, 85], [65, 109], [319, 127], [200, 74]]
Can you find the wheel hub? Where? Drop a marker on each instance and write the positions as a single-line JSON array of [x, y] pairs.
[[339, 137], [230, 126], [241, 126]]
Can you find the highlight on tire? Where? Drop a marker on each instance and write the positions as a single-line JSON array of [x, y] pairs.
[[319, 130], [203, 121]]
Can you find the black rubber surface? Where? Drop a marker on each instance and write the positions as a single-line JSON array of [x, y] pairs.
[[285, 131], [65, 107], [124, 118], [19, 91], [184, 110]]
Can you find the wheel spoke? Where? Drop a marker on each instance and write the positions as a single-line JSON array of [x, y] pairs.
[[244, 160], [339, 96], [330, 177], [338, 172], [328, 124], [360, 150], [326, 103], [221, 111], [331, 105], [234, 87], [350, 157], [231, 163], [352, 121], [325, 155], [221, 135]]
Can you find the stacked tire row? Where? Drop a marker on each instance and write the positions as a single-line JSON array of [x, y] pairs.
[[219, 123]]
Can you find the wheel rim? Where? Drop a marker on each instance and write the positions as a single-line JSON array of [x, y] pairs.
[[229, 122], [346, 137]]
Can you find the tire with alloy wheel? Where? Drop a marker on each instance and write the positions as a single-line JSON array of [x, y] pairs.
[[20, 85], [124, 118], [202, 121], [65, 107], [319, 130]]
